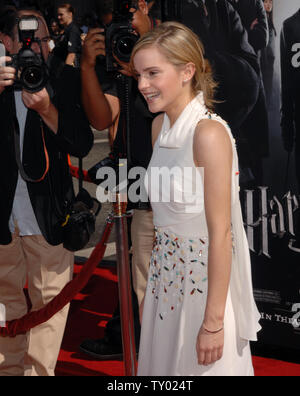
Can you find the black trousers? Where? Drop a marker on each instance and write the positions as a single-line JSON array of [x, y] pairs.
[[113, 333]]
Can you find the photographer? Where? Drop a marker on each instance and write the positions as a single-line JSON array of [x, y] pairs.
[[37, 133], [103, 108]]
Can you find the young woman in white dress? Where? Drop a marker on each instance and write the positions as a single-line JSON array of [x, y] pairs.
[[199, 313]]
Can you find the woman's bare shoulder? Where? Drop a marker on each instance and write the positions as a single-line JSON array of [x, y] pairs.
[[211, 141], [211, 132]]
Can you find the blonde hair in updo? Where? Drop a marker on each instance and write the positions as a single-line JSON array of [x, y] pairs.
[[181, 46]]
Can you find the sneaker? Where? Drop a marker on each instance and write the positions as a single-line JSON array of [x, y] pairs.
[[102, 349]]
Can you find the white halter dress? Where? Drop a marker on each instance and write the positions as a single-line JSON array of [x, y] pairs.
[[176, 294]]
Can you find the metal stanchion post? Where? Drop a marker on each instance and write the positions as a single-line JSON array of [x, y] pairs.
[[125, 288]]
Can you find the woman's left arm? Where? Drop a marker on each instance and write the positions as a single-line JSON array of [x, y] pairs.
[[213, 152]]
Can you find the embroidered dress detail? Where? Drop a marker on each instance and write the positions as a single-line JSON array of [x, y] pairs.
[[178, 267]]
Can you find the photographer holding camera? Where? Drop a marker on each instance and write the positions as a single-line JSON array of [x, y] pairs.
[[37, 134]]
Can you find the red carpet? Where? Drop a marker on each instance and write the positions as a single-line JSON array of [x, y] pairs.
[[89, 313]]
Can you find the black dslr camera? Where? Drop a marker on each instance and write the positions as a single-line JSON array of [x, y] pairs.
[[31, 69], [120, 38]]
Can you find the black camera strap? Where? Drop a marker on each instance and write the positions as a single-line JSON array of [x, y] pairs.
[[25, 177]]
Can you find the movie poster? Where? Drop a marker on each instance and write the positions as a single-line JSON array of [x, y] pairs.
[[271, 211]]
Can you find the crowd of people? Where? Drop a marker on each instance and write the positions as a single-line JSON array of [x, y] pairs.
[[197, 309]]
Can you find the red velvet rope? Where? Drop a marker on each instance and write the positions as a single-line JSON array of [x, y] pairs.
[[33, 319]]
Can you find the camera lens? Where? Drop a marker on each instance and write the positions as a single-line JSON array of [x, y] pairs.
[[124, 46], [32, 77]]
